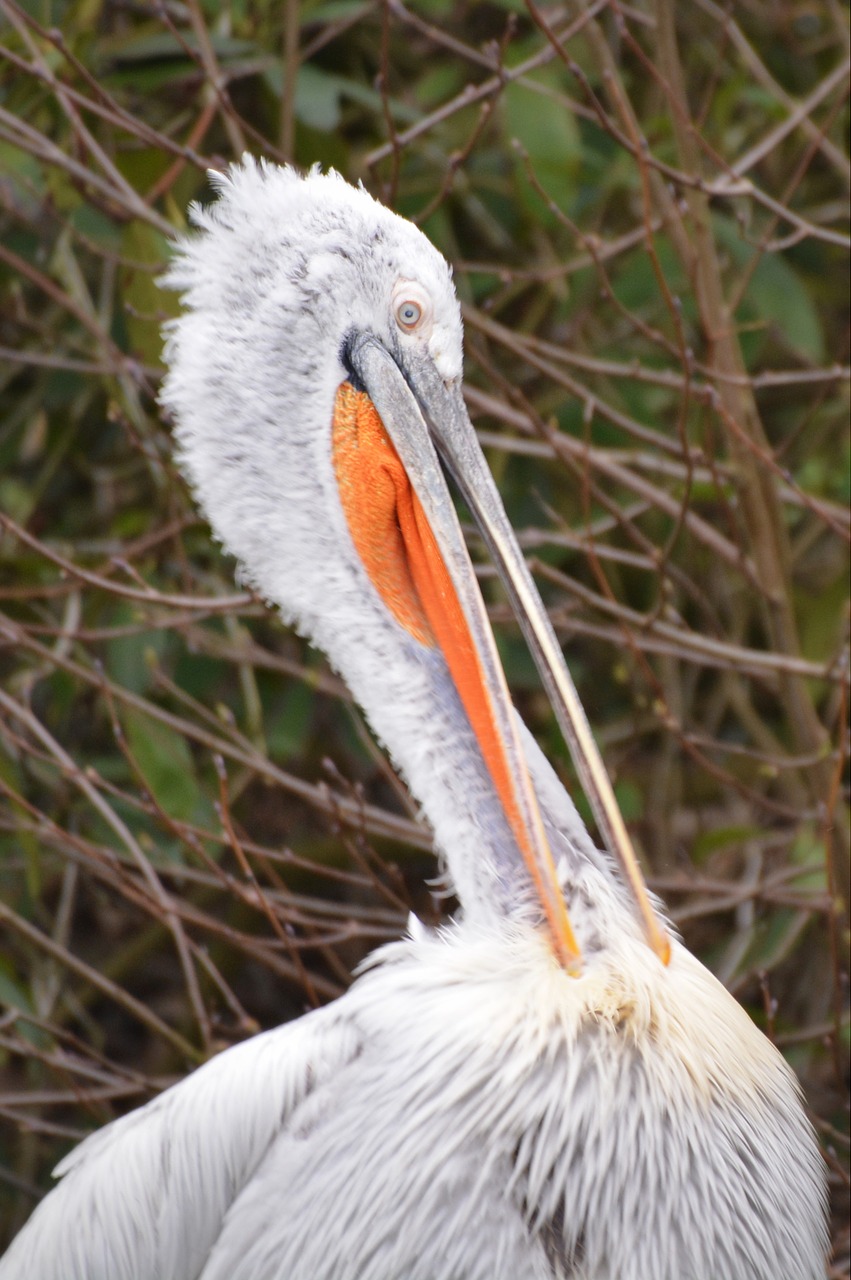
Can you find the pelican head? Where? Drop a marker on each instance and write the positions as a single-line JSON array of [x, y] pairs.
[[315, 376]]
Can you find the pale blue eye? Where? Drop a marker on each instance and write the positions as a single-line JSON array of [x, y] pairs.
[[409, 314]]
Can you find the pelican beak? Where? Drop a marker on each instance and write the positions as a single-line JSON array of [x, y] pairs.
[[423, 415]]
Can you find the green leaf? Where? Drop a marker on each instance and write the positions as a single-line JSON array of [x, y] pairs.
[[630, 800], [709, 842], [551, 140], [146, 305], [780, 298], [290, 723], [166, 764], [128, 657], [317, 99], [12, 993]]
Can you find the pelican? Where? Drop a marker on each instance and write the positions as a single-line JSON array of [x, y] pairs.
[[551, 1086]]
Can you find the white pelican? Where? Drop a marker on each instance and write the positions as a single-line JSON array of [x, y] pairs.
[[546, 1088]]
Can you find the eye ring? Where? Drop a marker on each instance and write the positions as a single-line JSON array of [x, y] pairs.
[[409, 314], [412, 307]]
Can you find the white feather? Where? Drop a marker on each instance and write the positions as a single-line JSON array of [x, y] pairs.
[[463, 1108]]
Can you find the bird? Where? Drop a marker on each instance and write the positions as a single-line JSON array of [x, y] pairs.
[[550, 1086]]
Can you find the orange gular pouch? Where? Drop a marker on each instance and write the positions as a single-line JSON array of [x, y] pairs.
[[398, 549], [396, 545]]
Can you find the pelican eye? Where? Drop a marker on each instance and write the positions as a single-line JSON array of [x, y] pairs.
[[409, 313], [412, 307]]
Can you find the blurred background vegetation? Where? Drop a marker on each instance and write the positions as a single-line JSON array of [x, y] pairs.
[[646, 206]]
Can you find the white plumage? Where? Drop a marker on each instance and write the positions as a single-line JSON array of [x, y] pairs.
[[469, 1110]]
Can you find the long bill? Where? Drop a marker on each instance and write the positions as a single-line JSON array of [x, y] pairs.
[[405, 528], [436, 412]]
